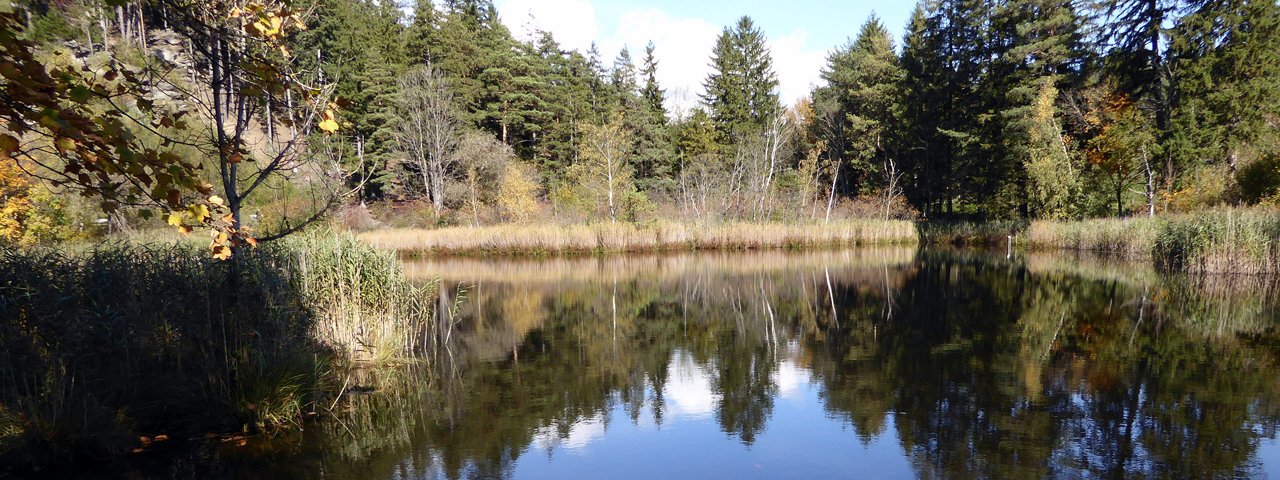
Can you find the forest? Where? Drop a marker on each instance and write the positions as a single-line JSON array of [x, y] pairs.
[[438, 114]]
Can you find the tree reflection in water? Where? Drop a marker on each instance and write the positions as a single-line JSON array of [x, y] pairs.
[[973, 365]]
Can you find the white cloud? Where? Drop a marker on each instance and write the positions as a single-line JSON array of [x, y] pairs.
[[573, 22], [683, 44], [688, 389], [798, 67]]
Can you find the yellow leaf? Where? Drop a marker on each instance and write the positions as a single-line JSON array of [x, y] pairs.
[[65, 144], [185, 229], [199, 213], [329, 126], [221, 252], [8, 145], [175, 219]]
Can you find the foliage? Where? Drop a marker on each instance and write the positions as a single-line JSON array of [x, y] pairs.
[[517, 193], [604, 174], [741, 88]]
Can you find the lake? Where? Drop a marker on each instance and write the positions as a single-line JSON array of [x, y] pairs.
[[863, 363]]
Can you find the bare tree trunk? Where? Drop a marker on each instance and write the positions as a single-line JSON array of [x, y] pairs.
[[1151, 184], [613, 212], [831, 198]]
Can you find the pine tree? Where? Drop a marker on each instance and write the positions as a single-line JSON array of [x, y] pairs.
[[357, 45], [1045, 39], [647, 120], [420, 36], [944, 56]]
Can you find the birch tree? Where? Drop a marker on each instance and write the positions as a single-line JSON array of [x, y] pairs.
[[604, 169], [428, 129]]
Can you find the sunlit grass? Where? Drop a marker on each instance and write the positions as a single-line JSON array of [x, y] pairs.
[[1227, 240], [663, 236]]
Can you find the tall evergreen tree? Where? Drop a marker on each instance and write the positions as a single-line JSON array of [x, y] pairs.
[[1037, 164], [862, 103], [654, 95], [1226, 63], [420, 37], [741, 90], [647, 120]]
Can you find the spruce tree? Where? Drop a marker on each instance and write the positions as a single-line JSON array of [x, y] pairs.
[[861, 103], [420, 36], [1226, 63], [654, 95], [1037, 163], [741, 90]]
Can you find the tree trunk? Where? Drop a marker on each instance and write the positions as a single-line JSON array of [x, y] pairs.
[[831, 198], [1119, 200]]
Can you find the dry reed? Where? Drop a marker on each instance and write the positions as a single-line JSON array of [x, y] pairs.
[[602, 238]]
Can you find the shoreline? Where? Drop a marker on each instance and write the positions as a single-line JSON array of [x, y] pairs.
[[1218, 241]]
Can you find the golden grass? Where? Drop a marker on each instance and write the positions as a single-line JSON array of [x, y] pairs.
[[1128, 237], [600, 238], [1217, 241]]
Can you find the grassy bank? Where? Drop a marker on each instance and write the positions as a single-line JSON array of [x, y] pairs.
[[663, 236], [101, 348], [1236, 241]]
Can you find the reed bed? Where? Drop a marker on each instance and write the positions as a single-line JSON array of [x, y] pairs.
[[101, 347], [1123, 237], [1221, 241], [624, 237]]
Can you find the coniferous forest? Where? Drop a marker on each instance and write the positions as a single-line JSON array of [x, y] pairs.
[[1011, 109], [1008, 110]]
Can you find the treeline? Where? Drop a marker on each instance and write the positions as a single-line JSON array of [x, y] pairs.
[[995, 109], [1017, 108]]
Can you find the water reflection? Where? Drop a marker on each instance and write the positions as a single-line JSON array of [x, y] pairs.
[[867, 363]]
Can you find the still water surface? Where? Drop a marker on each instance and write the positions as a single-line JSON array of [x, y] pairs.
[[884, 363]]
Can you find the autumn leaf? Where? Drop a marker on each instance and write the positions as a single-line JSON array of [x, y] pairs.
[[8, 145], [65, 145], [175, 219], [221, 252], [199, 213], [328, 125]]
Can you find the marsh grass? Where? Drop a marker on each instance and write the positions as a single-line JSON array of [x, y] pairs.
[[1122, 237], [625, 237], [1220, 241], [102, 346]]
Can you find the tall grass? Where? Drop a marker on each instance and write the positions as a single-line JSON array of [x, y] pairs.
[[100, 347], [1124, 237], [1227, 240], [623, 237]]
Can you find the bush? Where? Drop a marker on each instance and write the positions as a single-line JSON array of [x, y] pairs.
[[1259, 180]]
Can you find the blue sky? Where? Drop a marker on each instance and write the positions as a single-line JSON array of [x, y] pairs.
[[800, 32]]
